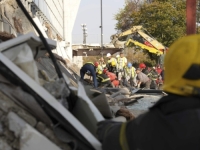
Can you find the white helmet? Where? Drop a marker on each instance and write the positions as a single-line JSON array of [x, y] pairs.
[[117, 55], [108, 55]]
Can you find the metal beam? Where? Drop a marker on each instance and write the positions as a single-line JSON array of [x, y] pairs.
[[191, 16], [95, 52]]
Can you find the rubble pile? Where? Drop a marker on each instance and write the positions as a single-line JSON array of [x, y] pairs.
[[18, 127]]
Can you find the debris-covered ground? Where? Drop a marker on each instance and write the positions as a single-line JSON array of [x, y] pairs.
[[31, 119]]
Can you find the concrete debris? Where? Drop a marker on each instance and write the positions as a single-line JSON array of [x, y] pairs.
[[59, 90], [12, 121], [28, 123], [29, 138], [4, 145]]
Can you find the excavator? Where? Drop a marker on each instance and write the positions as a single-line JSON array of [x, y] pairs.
[[139, 37]]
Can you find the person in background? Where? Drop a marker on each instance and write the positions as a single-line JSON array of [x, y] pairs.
[[158, 69], [162, 74], [121, 63], [130, 76], [113, 77], [103, 80], [143, 80], [173, 122], [153, 75], [117, 72], [99, 68], [102, 63], [90, 69], [112, 63], [143, 68]]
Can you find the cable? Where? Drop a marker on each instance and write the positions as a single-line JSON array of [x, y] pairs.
[[42, 38]]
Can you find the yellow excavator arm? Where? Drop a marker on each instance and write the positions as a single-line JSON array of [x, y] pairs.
[[140, 31], [143, 46], [129, 31]]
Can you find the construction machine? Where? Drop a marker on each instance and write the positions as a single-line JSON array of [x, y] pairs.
[[139, 37]]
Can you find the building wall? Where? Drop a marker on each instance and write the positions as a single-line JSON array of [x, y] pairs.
[[53, 10], [61, 14]]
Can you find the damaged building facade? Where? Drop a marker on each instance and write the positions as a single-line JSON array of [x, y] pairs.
[[54, 18]]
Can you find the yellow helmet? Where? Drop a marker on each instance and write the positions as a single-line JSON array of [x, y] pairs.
[[113, 63], [182, 66]]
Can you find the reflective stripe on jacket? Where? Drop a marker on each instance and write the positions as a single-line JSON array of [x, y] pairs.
[[103, 78]]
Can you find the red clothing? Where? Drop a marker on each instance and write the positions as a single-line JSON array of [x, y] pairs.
[[113, 78], [158, 70], [115, 83], [111, 75]]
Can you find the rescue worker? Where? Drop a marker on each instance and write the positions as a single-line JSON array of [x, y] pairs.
[[121, 63], [99, 68], [113, 77], [103, 80], [143, 80], [143, 68], [102, 63], [158, 69], [130, 76], [173, 122], [112, 63], [117, 56], [153, 75], [90, 69]]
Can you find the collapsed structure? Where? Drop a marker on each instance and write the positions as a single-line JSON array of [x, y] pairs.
[[43, 104]]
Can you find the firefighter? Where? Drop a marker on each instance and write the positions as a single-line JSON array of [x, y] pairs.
[[113, 77], [112, 63], [121, 63], [103, 80], [130, 76], [143, 81], [99, 68], [89, 68], [153, 75], [173, 122], [102, 63]]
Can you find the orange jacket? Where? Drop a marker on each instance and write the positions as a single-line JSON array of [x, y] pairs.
[[111, 75]]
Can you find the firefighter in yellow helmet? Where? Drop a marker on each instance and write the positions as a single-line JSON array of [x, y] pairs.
[[112, 63], [173, 122]]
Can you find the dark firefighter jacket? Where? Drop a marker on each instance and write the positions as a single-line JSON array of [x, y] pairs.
[[173, 123], [89, 67], [103, 78]]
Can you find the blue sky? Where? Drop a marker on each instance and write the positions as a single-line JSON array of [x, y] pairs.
[[89, 14]]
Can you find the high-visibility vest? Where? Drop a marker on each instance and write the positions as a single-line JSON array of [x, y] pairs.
[[89, 63], [121, 62], [130, 72], [103, 65], [112, 62], [99, 69]]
